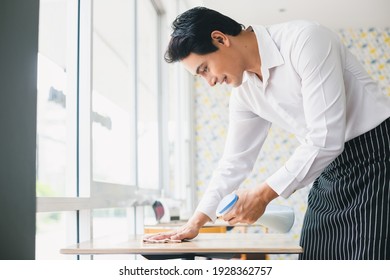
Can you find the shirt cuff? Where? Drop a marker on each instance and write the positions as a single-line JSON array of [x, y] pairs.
[[208, 204], [283, 182]]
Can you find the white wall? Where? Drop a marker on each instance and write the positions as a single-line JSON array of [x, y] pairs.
[[335, 14]]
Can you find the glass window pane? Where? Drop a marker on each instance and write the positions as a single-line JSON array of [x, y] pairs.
[[110, 222], [53, 123], [147, 67], [52, 234], [113, 92]]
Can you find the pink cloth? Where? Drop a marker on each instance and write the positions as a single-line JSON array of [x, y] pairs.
[[165, 240]]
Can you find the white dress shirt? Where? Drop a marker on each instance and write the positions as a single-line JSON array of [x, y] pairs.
[[312, 87]]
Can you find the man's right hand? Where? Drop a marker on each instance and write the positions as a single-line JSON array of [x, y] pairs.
[[189, 231]]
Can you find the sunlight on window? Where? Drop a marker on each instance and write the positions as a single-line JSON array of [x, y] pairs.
[[148, 113], [51, 128], [103, 133], [51, 235], [113, 91], [111, 138]]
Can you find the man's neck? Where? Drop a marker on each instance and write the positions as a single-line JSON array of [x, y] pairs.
[[250, 52]]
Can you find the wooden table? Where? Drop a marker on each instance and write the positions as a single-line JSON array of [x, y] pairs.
[[205, 244]]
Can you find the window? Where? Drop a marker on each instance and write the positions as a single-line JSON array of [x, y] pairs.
[[56, 125], [113, 92], [148, 113], [56, 122], [106, 135], [52, 233]]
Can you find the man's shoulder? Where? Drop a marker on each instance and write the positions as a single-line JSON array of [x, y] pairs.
[[291, 26], [286, 33]]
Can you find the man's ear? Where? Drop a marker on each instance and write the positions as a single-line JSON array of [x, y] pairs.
[[219, 38]]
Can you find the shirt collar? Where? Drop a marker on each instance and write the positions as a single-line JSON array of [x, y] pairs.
[[269, 52]]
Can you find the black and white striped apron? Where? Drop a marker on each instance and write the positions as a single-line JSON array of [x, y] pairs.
[[348, 215]]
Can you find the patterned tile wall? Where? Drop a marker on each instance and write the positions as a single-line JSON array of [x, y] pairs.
[[372, 48]]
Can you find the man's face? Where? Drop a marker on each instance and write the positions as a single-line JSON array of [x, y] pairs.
[[221, 66]]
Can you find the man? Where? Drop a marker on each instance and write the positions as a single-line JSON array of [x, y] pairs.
[[299, 76]]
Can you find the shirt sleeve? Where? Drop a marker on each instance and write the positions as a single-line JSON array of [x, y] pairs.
[[246, 134], [317, 58]]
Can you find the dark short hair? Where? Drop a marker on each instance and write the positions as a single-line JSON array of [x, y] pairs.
[[192, 29]]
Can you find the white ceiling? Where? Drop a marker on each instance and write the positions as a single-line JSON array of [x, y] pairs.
[[332, 13]]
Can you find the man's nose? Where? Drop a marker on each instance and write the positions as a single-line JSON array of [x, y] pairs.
[[212, 81]]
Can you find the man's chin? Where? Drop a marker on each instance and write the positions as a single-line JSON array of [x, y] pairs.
[[236, 84]]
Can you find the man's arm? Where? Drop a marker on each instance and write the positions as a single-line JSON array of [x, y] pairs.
[[318, 59]]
